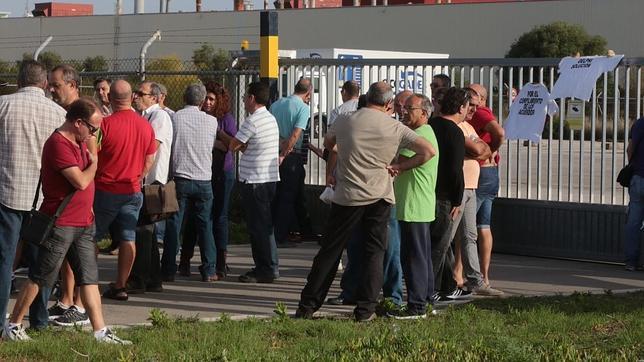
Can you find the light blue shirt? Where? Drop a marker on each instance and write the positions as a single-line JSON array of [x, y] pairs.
[[291, 112]]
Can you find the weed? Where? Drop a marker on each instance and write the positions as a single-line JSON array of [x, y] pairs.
[[159, 318]]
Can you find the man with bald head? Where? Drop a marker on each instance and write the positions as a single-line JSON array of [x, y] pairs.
[[363, 197], [491, 132], [126, 155], [399, 103], [292, 114]]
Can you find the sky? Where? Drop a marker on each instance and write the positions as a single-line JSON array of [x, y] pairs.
[[17, 7]]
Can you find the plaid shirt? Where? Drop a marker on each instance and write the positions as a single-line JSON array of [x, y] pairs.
[[193, 140], [27, 119]]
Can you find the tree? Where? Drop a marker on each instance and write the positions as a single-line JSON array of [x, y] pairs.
[[556, 40], [95, 64], [48, 58], [208, 59], [175, 83]]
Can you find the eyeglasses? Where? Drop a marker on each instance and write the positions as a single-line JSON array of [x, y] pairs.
[[92, 129], [410, 108], [141, 94]]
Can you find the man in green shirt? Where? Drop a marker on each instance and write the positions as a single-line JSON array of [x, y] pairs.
[[415, 210]]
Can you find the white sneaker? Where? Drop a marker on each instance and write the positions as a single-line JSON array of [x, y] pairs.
[[16, 333], [110, 338]]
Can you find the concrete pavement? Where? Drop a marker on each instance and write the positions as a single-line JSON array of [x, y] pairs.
[[516, 275]]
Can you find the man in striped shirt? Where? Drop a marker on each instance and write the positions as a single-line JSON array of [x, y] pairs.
[[258, 139]]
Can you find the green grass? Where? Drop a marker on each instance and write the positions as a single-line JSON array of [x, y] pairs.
[[577, 327]]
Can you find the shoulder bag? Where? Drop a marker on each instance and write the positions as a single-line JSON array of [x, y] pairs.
[[37, 227]]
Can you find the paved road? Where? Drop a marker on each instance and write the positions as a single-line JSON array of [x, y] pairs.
[[189, 296]]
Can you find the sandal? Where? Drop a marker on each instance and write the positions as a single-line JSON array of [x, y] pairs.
[[115, 293]]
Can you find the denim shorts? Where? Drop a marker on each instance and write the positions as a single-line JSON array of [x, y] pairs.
[[119, 211], [487, 190], [77, 243]]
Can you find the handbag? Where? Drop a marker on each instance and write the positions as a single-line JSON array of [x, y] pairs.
[[38, 225], [626, 173], [624, 176], [159, 203]]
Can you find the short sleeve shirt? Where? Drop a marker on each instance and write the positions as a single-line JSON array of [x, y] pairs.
[[479, 121], [259, 163], [415, 189], [162, 126], [291, 112], [58, 154], [195, 133], [367, 142], [127, 139]]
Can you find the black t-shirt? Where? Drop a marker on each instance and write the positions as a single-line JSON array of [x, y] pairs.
[[451, 148]]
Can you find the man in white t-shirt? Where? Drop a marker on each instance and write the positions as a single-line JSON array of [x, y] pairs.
[[350, 93], [145, 275], [258, 139]]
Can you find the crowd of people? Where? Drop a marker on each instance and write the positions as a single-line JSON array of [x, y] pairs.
[[423, 218]]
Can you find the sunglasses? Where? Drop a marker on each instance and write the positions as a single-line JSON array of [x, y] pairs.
[[92, 129], [141, 94]]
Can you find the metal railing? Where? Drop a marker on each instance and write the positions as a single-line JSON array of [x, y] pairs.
[[566, 165]]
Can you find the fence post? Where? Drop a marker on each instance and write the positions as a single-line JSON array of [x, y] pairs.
[[268, 52], [144, 50], [42, 46]]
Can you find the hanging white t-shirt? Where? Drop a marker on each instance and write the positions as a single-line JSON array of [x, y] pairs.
[[578, 76], [528, 113]]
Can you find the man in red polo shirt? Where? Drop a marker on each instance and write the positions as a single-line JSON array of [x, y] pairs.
[[68, 168], [126, 155]]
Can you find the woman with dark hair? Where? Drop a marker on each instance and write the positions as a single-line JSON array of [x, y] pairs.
[[217, 104]]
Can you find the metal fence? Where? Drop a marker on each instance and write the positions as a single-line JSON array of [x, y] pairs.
[[566, 165]]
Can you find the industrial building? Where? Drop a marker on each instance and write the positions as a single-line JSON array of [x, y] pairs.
[[481, 30]]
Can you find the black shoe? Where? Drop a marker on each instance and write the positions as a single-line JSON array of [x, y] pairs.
[[157, 288], [72, 317], [115, 293], [132, 289], [340, 301], [56, 310], [301, 313], [251, 277], [167, 278], [366, 319]]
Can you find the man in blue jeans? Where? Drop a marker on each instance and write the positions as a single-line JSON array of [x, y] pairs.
[[258, 138], [194, 138], [127, 152], [27, 118], [292, 114], [633, 229]]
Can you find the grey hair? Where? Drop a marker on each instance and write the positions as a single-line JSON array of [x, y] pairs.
[[425, 102], [69, 73], [380, 94], [155, 89], [195, 94], [32, 73], [163, 89]]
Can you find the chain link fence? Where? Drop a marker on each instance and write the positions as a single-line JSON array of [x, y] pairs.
[[173, 73]]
